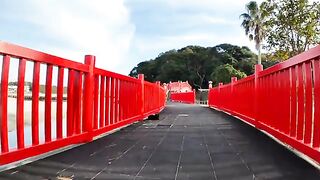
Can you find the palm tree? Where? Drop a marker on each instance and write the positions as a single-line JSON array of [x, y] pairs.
[[253, 24]]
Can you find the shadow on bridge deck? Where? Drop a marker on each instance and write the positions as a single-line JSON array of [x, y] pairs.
[[189, 142]]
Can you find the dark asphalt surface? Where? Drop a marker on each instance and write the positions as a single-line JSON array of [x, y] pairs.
[[188, 142]]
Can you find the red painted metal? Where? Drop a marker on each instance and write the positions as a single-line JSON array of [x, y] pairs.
[[35, 103], [308, 103], [48, 98], [184, 97], [88, 91], [102, 97], [36, 56], [20, 104], [300, 101], [96, 102], [116, 88], [93, 107], [285, 99], [107, 102], [4, 104], [59, 112], [141, 100], [77, 102], [112, 90], [70, 105], [293, 102], [316, 100]]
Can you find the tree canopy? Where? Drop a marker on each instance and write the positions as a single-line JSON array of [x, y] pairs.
[[288, 27], [254, 25], [223, 73], [197, 65]]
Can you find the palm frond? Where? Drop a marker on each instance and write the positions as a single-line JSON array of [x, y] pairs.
[[252, 8], [250, 37], [253, 23], [245, 16]]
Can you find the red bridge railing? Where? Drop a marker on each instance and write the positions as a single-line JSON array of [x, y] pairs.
[[184, 97], [97, 101], [283, 100]]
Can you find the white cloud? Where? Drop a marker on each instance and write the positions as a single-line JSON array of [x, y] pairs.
[[216, 20], [101, 28], [179, 23], [105, 28], [160, 44], [209, 4]]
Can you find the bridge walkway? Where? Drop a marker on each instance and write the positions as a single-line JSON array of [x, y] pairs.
[[188, 142]]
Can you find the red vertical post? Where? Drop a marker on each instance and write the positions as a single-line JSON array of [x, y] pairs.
[[20, 103], [4, 104], [107, 102], [121, 96], [118, 99], [316, 123], [286, 96], [102, 94], [308, 104], [111, 120], [70, 108], [79, 97], [115, 101], [141, 77], [35, 103], [96, 102], [257, 69], [219, 95], [60, 102], [301, 109], [76, 100], [88, 98], [47, 110], [293, 122], [233, 103], [158, 92], [125, 99]]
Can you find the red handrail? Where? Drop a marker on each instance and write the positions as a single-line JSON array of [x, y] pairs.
[[283, 100], [184, 97], [98, 101]]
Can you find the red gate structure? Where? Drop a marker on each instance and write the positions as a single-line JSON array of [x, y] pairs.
[[184, 97], [283, 101], [98, 101]]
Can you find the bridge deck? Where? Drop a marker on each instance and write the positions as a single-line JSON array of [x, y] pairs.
[[189, 142]]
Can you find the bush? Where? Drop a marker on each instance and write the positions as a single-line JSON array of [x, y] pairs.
[[224, 72]]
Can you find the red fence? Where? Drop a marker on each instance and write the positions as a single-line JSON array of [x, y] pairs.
[[97, 101], [283, 100], [184, 97]]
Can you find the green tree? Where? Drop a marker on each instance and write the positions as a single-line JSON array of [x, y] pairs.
[[195, 64], [293, 26], [254, 25], [224, 73]]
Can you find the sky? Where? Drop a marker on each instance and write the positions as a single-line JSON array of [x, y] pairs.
[[120, 33]]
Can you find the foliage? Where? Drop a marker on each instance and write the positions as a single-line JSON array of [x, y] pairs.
[[254, 25], [223, 73], [195, 64], [293, 26]]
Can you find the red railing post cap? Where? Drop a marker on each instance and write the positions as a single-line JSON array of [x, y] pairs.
[[90, 59]]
